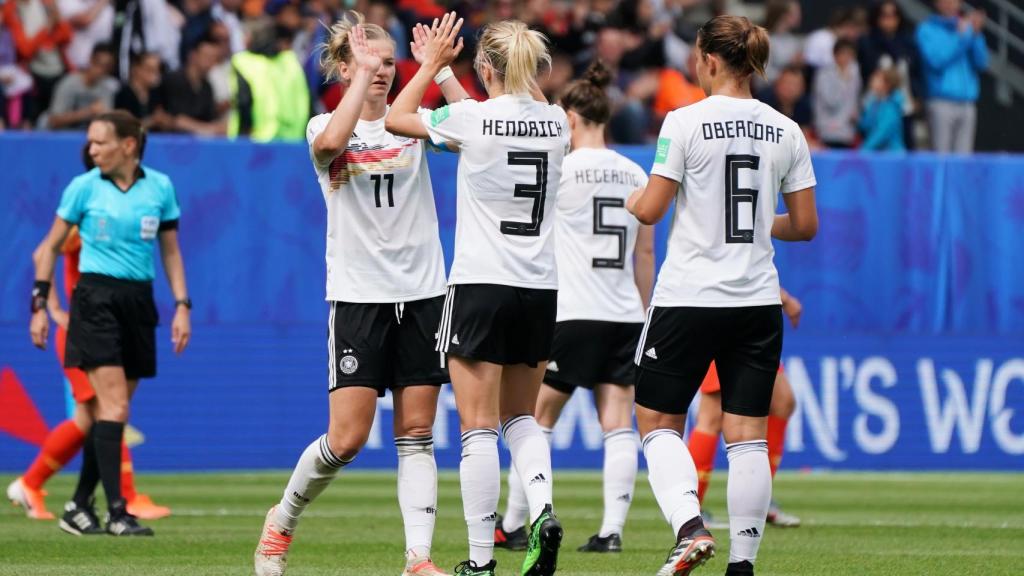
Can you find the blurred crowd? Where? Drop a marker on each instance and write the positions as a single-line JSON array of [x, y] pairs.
[[868, 79]]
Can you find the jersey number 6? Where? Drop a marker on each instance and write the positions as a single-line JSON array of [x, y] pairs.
[[739, 219], [538, 191]]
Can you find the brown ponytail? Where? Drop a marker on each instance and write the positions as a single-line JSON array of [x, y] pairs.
[[126, 125], [587, 96], [742, 45]]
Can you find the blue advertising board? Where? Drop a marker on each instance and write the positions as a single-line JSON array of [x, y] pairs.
[[910, 354]]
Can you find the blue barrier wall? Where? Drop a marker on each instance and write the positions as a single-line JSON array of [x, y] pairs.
[[910, 355]]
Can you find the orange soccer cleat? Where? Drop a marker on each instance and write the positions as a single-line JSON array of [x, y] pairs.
[[33, 501], [143, 507]]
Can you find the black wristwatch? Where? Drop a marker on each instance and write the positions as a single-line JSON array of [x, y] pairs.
[[186, 302]]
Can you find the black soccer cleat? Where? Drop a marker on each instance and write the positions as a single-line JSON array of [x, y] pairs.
[[609, 543], [515, 540], [468, 568], [542, 549], [121, 523], [80, 520]]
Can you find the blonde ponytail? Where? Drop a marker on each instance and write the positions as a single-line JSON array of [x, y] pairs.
[[515, 53], [337, 48]]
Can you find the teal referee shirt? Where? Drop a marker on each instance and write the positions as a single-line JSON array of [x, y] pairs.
[[118, 228]]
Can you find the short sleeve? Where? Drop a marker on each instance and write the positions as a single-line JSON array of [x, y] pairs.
[[448, 124], [72, 201], [801, 172], [669, 156], [169, 210], [316, 125]]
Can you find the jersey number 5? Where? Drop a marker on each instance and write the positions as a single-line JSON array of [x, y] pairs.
[[618, 231], [377, 179], [740, 203], [538, 191]]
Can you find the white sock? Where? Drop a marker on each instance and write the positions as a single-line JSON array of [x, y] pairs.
[[314, 471], [749, 492], [532, 456], [517, 506], [417, 492], [480, 477], [672, 475], [620, 462]]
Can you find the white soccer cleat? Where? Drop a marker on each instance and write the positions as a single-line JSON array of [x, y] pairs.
[[33, 501], [778, 517], [421, 566], [271, 557]]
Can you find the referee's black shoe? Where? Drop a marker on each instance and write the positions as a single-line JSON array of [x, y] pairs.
[[515, 540], [121, 523], [80, 520], [609, 543]]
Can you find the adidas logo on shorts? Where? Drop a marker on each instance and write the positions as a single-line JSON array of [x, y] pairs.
[[553, 366], [651, 353], [455, 339]]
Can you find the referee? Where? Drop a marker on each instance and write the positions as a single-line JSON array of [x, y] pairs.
[[120, 207]]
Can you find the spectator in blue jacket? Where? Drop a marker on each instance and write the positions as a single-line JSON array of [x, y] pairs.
[[882, 120], [954, 52]]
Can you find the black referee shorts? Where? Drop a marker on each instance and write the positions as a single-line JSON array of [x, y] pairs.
[[498, 324], [590, 352], [678, 344], [112, 323], [387, 345]]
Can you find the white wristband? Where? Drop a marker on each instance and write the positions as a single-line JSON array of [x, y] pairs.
[[443, 75]]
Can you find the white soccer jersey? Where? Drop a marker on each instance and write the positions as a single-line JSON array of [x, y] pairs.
[[731, 157], [595, 237], [382, 238], [509, 167]]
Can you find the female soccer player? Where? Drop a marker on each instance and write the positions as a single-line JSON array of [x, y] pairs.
[[500, 309], [385, 287], [120, 207], [723, 160], [704, 436], [601, 303]]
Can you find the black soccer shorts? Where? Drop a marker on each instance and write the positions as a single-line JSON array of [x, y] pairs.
[[590, 352], [385, 346], [498, 324], [678, 344]]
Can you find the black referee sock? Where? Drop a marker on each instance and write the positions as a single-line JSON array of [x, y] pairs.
[[89, 476], [109, 435]]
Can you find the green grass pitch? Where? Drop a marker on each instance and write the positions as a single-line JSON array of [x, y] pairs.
[[854, 524]]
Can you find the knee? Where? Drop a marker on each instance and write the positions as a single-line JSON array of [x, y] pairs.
[[346, 444], [783, 406], [115, 411], [414, 429]]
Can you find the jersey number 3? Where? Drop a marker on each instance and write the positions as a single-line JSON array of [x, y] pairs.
[[740, 203], [538, 191]]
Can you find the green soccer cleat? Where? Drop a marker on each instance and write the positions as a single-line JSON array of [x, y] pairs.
[[468, 568], [542, 549]]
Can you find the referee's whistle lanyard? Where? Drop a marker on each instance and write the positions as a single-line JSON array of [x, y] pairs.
[[399, 311]]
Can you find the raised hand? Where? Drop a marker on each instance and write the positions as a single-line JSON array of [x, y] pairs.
[[420, 38], [363, 55], [443, 42]]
